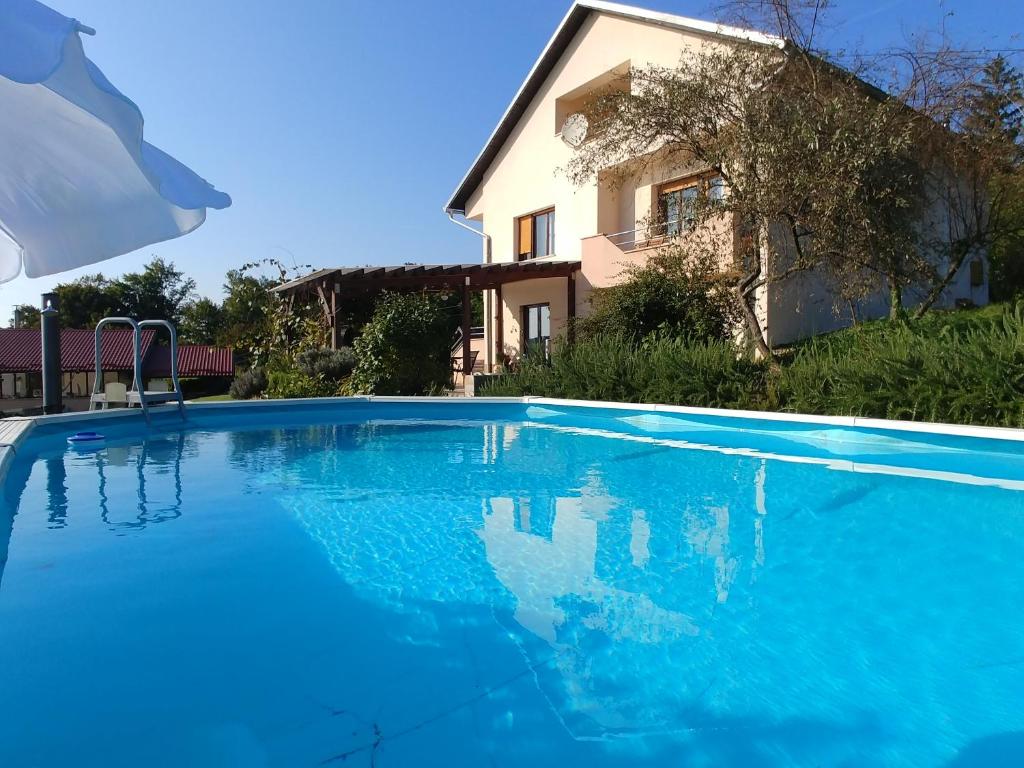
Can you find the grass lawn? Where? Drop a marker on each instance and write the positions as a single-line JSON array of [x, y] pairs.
[[210, 399]]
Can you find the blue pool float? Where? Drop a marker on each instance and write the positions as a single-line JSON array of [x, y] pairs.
[[85, 438]]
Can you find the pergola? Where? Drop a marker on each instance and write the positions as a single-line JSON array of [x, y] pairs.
[[331, 285]]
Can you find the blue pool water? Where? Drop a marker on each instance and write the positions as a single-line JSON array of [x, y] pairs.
[[398, 585]]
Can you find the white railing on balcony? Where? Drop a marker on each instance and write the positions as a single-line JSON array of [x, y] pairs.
[[649, 235]]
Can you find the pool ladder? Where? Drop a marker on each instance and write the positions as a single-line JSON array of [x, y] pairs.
[[137, 395]]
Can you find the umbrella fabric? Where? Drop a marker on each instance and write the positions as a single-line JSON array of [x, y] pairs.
[[78, 184]]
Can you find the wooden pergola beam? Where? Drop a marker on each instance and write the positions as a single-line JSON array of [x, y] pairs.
[[480, 277]]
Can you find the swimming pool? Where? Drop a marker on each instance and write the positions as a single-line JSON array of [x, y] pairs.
[[513, 583]]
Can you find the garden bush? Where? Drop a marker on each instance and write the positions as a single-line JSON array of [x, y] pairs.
[[332, 364], [405, 348], [928, 371], [672, 295], [962, 367], [204, 386], [249, 384], [659, 368], [291, 382]]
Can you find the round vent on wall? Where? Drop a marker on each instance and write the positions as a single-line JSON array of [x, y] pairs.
[[574, 129]]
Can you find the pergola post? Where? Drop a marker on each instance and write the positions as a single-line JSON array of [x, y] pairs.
[[570, 306], [467, 319], [334, 319], [499, 331]]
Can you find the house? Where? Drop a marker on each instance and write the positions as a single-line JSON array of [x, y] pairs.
[[21, 360], [528, 211]]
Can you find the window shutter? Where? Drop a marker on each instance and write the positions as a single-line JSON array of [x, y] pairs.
[[525, 236]]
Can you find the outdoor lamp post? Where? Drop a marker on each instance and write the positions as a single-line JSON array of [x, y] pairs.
[[49, 324]]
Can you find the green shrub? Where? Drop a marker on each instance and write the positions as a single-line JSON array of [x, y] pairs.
[[671, 295], [332, 364], [658, 369], [294, 383], [927, 371], [249, 384], [405, 348], [204, 386], [963, 367]]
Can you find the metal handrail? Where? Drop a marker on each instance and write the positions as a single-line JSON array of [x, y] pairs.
[[137, 385], [650, 232], [136, 354], [456, 339], [174, 358]]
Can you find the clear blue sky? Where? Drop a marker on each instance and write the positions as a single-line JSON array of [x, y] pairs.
[[339, 128]]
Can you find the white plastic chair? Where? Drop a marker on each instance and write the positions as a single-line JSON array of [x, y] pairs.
[[115, 392], [157, 385]]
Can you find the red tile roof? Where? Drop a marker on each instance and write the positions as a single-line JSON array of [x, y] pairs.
[[193, 360], [21, 350]]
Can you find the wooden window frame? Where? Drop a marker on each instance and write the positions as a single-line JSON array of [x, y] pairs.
[[524, 321], [522, 255], [699, 181]]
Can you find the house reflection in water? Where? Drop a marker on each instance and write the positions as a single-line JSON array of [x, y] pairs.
[[617, 591], [545, 556]]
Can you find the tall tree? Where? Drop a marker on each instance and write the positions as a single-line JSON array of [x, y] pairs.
[[818, 169], [87, 300], [25, 316], [247, 311], [159, 292], [994, 128], [202, 322], [869, 188]]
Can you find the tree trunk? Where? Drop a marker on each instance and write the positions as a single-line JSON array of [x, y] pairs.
[[939, 287], [745, 295], [895, 300], [753, 324]]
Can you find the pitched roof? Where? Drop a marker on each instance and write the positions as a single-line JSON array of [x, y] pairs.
[[21, 350], [549, 57], [193, 360]]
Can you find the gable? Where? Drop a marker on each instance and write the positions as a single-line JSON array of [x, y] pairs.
[[561, 48]]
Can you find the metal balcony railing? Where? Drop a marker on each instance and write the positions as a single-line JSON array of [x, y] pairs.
[[650, 235]]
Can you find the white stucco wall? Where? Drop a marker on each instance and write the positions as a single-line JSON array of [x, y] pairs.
[[527, 176], [515, 296]]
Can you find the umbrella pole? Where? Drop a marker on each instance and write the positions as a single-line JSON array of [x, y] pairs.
[[50, 328]]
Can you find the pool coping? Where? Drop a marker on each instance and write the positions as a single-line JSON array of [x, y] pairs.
[[14, 430]]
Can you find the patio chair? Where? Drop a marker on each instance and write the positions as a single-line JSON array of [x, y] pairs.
[[157, 385], [116, 393], [457, 362]]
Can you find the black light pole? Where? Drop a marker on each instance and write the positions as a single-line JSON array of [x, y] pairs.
[[50, 328]]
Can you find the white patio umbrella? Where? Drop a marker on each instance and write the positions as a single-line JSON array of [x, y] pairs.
[[78, 184]]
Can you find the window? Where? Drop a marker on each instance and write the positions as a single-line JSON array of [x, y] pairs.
[[676, 207], [977, 270], [537, 329], [536, 235], [677, 201], [716, 190]]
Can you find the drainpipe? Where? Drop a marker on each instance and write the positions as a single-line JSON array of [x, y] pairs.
[[484, 235], [488, 325]]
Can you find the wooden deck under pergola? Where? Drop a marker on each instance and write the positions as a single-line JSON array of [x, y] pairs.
[[328, 286]]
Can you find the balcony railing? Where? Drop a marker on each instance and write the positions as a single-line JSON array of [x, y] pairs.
[[649, 235]]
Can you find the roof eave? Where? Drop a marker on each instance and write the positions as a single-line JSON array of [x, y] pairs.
[[566, 30]]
